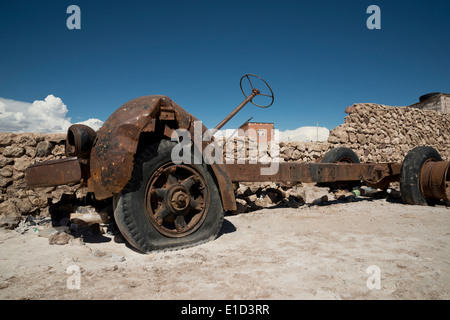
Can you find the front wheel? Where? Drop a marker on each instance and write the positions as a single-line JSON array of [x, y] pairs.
[[167, 205]]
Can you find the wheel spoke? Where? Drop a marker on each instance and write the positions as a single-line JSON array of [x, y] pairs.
[[189, 182], [169, 175], [180, 223], [194, 204], [161, 214], [171, 179], [250, 82], [159, 192]]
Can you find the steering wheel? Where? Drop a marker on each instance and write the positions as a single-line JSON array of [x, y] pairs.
[[258, 93]]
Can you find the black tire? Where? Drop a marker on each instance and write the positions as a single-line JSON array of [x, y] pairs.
[[341, 154], [410, 189], [139, 206]]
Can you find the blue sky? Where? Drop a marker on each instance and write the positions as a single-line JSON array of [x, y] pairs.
[[318, 56]]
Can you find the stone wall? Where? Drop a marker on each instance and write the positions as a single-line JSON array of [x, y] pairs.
[[376, 133], [379, 133], [17, 152]]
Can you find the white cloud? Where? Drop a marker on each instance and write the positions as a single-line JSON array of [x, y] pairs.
[[93, 123], [12, 115], [44, 116]]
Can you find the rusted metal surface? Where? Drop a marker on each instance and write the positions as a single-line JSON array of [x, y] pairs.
[[113, 152], [112, 156], [53, 173], [383, 174], [435, 180], [315, 172]]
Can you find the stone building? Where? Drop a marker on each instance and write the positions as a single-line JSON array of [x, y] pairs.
[[434, 101], [262, 131]]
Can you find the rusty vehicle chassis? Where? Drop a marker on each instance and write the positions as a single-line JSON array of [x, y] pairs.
[[377, 175], [70, 170], [296, 172], [435, 175]]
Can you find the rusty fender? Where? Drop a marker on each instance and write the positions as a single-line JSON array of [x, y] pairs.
[[112, 155]]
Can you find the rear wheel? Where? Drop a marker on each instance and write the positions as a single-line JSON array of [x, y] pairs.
[[167, 205], [410, 175], [345, 155]]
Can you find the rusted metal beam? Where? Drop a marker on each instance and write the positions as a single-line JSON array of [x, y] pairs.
[[254, 93], [53, 173], [315, 172]]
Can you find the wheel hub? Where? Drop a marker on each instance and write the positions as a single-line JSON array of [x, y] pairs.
[[178, 199]]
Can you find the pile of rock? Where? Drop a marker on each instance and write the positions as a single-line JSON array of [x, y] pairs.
[[18, 151], [243, 149], [297, 151], [246, 149], [70, 223], [379, 133], [255, 196]]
